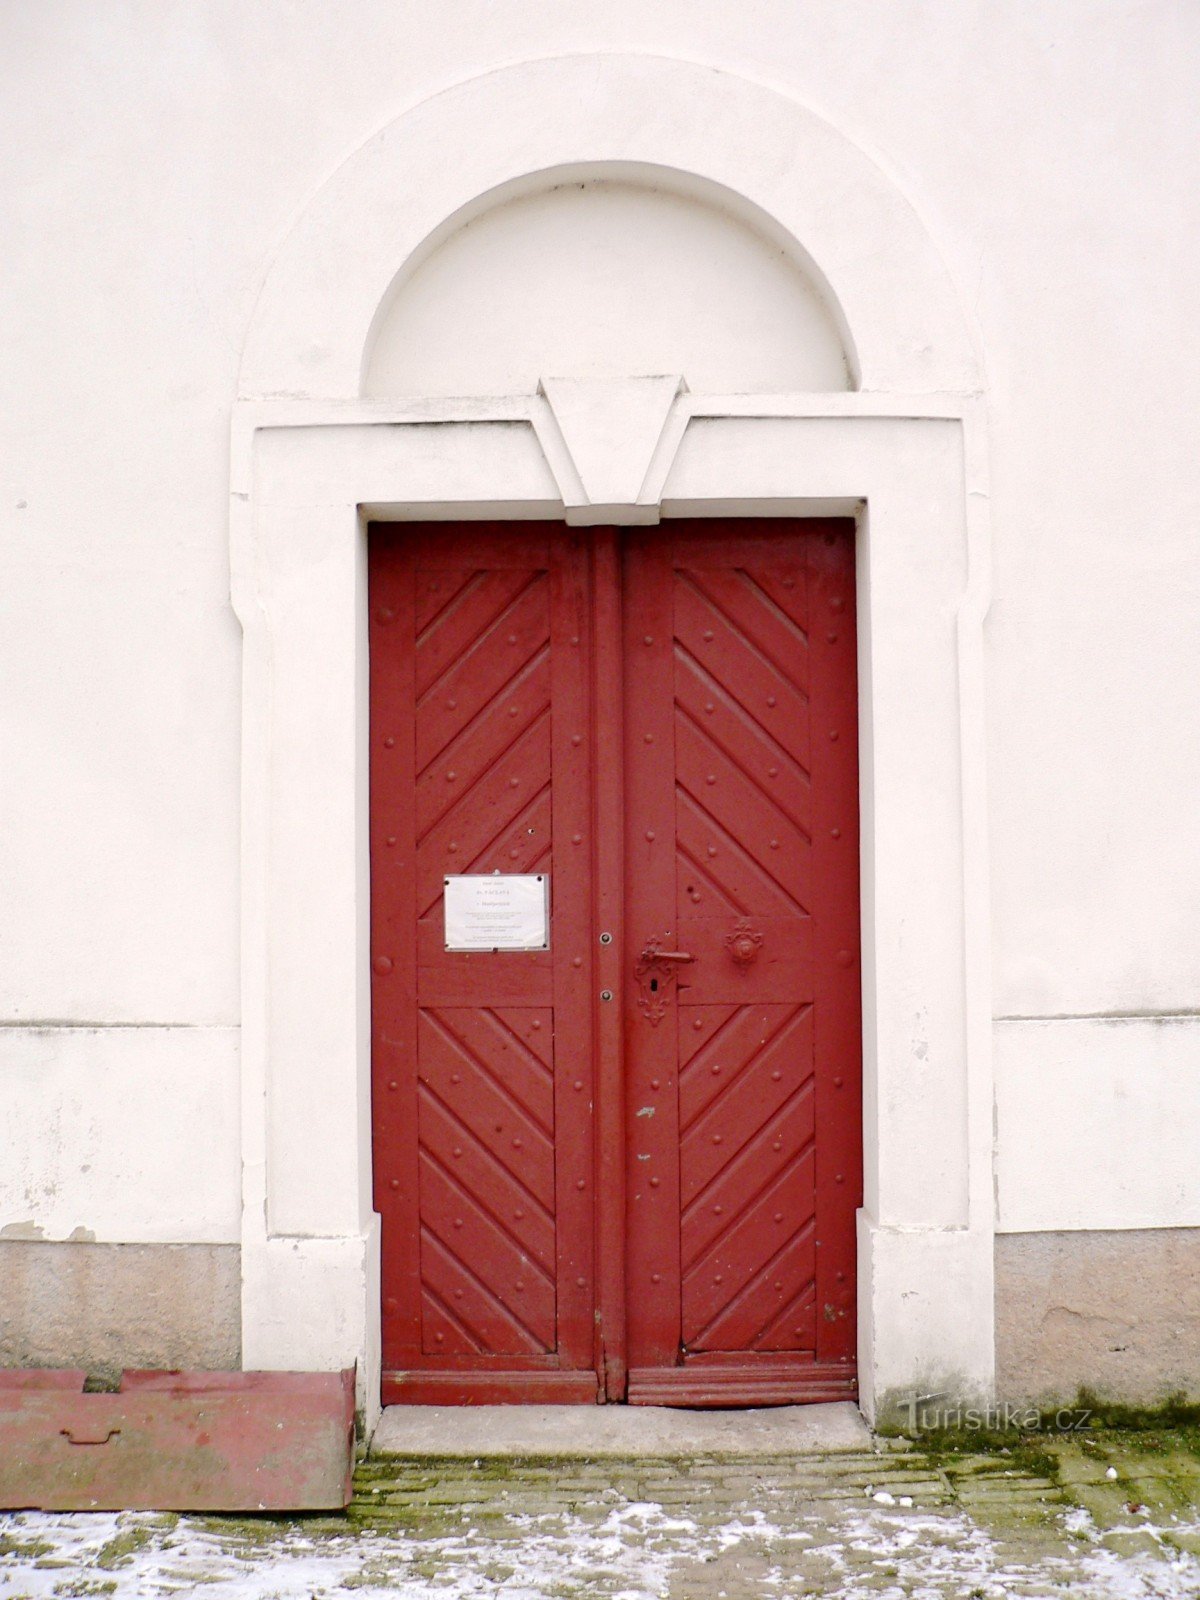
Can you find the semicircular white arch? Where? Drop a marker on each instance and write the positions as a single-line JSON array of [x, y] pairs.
[[861, 243], [604, 276]]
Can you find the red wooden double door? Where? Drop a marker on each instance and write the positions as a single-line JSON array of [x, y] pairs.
[[625, 1167]]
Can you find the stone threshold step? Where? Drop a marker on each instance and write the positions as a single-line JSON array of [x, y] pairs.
[[626, 1433]]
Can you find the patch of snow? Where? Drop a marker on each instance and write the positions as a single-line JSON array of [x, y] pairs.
[[637, 1550]]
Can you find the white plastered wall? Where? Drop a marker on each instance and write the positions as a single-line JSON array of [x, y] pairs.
[[151, 169], [309, 471], [602, 279]]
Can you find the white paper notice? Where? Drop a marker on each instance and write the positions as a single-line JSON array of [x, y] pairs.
[[498, 912]]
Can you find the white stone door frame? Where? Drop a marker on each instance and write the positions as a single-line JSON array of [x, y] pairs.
[[905, 455]]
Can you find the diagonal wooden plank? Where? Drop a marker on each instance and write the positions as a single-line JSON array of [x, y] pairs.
[[697, 887], [761, 690], [737, 1288], [772, 839], [487, 1320], [765, 763], [521, 846], [516, 1029], [725, 1053], [540, 863], [739, 1324], [470, 681], [485, 1104], [795, 1327], [509, 1062], [716, 1212], [442, 1332], [533, 1025], [487, 739], [484, 816], [741, 1117], [470, 618], [437, 590], [740, 877], [512, 1206], [473, 1238], [706, 1164], [699, 1027], [785, 587], [758, 622]]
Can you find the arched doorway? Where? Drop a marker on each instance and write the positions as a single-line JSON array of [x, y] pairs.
[[314, 462]]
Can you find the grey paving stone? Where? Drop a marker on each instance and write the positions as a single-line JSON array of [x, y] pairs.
[[699, 1528]]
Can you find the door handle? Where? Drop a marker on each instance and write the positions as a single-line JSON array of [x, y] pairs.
[[652, 951], [85, 1433], [655, 973]]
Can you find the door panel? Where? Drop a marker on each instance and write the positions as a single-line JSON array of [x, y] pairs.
[[723, 1055], [482, 1063], [746, 975]]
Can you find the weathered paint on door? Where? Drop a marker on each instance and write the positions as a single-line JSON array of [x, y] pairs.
[[483, 1093], [742, 1024], [649, 1196]]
